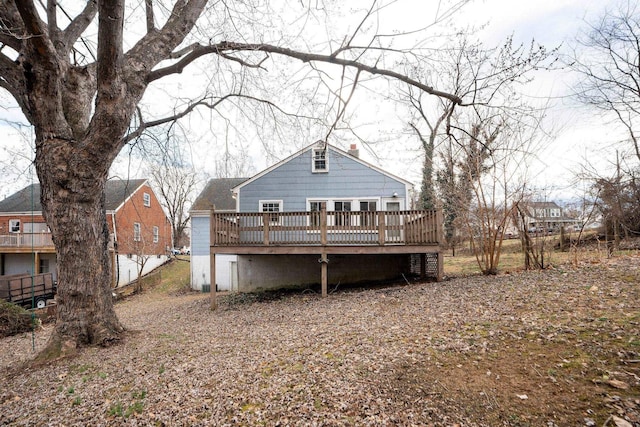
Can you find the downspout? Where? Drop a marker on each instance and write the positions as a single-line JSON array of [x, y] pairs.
[[115, 250]]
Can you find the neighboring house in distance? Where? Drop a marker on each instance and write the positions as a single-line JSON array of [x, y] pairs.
[[322, 215], [139, 229], [216, 194], [546, 217]]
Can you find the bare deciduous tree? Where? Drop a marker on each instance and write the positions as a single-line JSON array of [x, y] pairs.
[[607, 61], [487, 76], [176, 186], [81, 94]]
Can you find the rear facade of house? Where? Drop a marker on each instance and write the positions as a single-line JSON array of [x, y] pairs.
[[290, 199]]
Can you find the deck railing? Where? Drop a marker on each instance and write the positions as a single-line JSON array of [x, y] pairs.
[[26, 240], [416, 227]]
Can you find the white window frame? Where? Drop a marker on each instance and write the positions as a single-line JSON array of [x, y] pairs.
[[146, 199], [356, 218], [312, 222], [325, 152], [368, 202], [261, 206], [14, 226], [137, 232], [348, 215], [156, 234]]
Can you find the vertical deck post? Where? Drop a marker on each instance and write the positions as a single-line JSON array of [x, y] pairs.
[[324, 273], [423, 266], [381, 228], [212, 272], [440, 240], [36, 263], [265, 228], [324, 261], [323, 223], [212, 262]]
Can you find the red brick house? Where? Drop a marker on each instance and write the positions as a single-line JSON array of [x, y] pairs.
[[139, 228]]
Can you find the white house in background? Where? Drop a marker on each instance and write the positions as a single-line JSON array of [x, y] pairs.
[[547, 217], [320, 216], [216, 194]]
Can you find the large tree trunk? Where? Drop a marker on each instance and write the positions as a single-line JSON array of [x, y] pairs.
[[72, 196]]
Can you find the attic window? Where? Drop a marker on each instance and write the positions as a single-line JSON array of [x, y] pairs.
[[320, 161], [146, 198]]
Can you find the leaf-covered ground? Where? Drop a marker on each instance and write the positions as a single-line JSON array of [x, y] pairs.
[[553, 348]]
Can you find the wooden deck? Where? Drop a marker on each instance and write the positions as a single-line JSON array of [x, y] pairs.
[[324, 233], [26, 242], [391, 230]]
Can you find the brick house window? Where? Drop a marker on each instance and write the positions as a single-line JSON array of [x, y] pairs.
[[156, 234], [136, 232], [14, 226], [146, 198]]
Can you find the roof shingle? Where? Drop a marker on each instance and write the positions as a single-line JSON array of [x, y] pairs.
[[28, 199]]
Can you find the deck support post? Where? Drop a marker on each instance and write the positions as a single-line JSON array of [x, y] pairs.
[[36, 263], [324, 277], [440, 267], [212, 272], [212, 261], [423, 266]]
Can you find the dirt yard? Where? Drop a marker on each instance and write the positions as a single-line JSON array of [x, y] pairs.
[[553, 348]]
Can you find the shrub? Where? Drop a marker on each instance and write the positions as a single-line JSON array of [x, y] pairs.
[[14, 319]]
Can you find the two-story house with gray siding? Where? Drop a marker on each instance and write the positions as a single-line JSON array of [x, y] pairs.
[[321, 216]]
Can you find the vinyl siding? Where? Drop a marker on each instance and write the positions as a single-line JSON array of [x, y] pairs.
[[293, 182], [200, 235]]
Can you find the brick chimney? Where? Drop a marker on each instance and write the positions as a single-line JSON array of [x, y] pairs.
[[354, 151]]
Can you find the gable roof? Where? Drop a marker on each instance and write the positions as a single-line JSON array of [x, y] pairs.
[[217, 193], [329, 147], [543, 205], [28, 199]]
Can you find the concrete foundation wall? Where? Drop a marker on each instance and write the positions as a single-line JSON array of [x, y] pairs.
[[200, 274], [258, 272]]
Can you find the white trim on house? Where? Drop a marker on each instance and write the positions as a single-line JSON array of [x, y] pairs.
[[26, 213], [318, 149], [355, 204], [280, 204]]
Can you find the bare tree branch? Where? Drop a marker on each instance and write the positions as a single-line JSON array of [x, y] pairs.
[[223, 47], [52, 20], [206, 102], [12, 29], [35, 27], [149, 15], [77, 26]]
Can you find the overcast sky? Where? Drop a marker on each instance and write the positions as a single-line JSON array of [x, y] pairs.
[[549, 22]]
